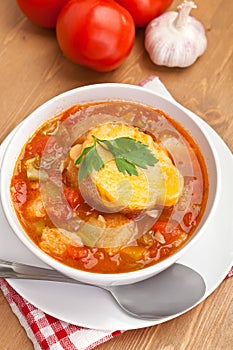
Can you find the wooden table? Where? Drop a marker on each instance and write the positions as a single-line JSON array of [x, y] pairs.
[[32, 70]]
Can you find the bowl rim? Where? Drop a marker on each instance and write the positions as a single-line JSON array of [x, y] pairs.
[[93, 276]]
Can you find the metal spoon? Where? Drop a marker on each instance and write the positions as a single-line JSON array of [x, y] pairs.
[[172, 291]]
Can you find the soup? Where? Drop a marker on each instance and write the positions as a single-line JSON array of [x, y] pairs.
[[110, 187]]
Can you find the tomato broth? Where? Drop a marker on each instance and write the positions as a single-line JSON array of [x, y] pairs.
[[62, 216]]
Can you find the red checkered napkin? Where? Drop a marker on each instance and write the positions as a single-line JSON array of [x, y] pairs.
[[49, 333]]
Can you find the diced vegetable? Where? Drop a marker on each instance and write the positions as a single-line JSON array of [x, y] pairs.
[[76, 252], [34, 208], [19, 193], [37, 145], [52, 192], [134, 252], [51, 128], [38, 226], [53, 242], [90, 232], [171, 232], [34, 173], [72, 197]]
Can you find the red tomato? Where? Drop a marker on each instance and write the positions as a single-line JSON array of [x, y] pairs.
[[98, 34], [143, 11], [72, 197], [169, 231], [42, 12], [38, 144], [19, 193], [77, 253]]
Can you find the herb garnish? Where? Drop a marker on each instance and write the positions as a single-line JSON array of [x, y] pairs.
[[128, 154]]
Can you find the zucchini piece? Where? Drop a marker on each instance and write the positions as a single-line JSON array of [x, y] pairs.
[[34, 173]]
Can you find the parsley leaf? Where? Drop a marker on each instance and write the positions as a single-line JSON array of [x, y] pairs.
[[125, 167], [128, 154], [85, 151], [133, 151], [92, 160]]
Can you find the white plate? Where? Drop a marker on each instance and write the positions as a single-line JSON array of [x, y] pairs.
[[90, 307]]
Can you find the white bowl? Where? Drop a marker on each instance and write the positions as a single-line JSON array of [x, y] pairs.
[[102, 92]]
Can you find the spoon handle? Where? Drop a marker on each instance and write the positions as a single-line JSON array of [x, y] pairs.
[[22, 271]]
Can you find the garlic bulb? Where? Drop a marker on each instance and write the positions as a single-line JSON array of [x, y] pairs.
[[175, 39]]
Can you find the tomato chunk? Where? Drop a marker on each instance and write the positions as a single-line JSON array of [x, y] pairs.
[[38, 144], [19, 192], [77, 253], [169, 231], [72, 197]]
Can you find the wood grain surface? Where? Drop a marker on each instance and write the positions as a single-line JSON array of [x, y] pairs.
[[33, 69]]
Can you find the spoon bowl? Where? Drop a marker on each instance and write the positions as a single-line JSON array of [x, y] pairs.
[[172, 291]]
